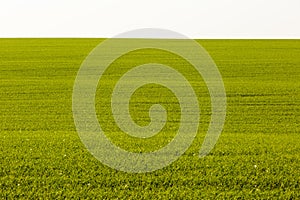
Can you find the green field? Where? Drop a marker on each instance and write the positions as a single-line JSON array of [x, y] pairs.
[[257, 155]]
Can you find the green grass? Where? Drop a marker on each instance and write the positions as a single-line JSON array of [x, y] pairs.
[[257, 155]]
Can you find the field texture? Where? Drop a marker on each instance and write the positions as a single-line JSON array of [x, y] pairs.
[[257, 155]]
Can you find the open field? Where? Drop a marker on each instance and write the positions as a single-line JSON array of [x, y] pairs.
[[257, 155]]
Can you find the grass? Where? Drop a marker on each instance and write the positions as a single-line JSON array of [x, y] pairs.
[[257, 155]]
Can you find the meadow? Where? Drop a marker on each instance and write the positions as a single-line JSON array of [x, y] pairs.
[[256, 157]]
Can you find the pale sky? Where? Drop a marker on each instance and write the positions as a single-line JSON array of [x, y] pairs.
[[193, 18]]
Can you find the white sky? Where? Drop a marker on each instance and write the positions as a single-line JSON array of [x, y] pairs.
[[193, 18]]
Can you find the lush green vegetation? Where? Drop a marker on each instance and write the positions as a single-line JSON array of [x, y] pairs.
[[257, 155]]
